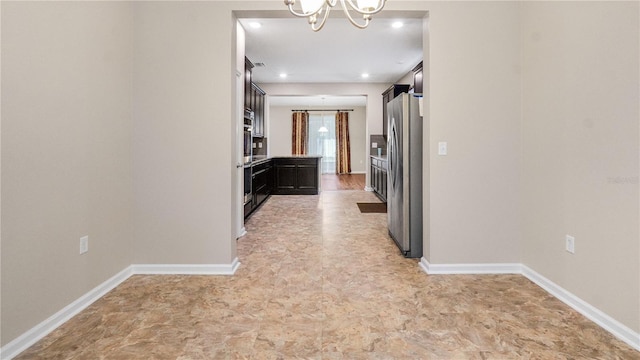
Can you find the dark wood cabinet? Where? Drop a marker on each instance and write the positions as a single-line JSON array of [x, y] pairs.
[[285, 175], [248, 68], [257, 105], [388, 95], [296, 176], [379, 177], [262, 182], [248, 207], [417, 79], [254, 100], [261, 185], [307, 177]]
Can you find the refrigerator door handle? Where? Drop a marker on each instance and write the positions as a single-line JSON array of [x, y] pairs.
[[393, 142]]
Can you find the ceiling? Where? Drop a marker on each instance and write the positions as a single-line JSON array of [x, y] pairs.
[[318, 101], [339, 53]]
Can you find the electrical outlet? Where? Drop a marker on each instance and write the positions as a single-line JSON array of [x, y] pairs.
[[84, 244], [570, 244], [374, 145], [442, 148]]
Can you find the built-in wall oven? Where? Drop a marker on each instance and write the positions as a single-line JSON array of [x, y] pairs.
[[248, 129], [248, 150]]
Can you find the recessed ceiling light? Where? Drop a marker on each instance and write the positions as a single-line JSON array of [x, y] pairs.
[[365, 75], [397, 24], [255, 25], [283, 75]]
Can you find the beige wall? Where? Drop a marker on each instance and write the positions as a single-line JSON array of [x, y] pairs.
[[474, 105], [66, 154], [358, 139], [279, 131], [184, 133], [581, 150], [373, 92], [280, 134]]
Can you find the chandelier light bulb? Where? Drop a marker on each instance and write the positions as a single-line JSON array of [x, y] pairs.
[[311, 6], [367, 5], [317, 11]]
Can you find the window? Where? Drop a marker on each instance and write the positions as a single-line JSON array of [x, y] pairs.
[[322, 140]]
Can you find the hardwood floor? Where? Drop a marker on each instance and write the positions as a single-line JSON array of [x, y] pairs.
[[332, 182]]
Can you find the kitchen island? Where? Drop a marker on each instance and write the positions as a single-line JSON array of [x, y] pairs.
[[297, 175], [282, 175]]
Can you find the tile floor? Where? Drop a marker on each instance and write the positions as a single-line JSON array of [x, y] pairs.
[[320, 280]]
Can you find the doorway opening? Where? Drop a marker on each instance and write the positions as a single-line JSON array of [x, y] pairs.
[[322, 140], [344, 62]]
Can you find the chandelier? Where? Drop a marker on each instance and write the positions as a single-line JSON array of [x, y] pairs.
[[312, 9]]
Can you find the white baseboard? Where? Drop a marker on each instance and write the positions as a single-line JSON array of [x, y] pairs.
[[358, 172], [186, 269], [603, 320], [41, 330], [368, 188], [433, 269]]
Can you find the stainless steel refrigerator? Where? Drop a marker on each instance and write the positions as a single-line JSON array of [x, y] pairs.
[[404, 185]]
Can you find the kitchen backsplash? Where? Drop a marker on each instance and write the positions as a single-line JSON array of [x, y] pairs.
[[260, 146], [379, 142]]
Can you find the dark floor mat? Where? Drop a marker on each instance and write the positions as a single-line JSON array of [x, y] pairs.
[[372, 207]]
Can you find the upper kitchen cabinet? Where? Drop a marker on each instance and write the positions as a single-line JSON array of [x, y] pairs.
[[257, 105], [417, 79], [390, 94], [248, 68], [254, 99]]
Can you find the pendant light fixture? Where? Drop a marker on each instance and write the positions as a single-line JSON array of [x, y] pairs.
[[312, 9]]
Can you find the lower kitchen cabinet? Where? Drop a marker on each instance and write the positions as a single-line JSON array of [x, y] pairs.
[[248, 207], [379, 177], [261, 182], [285, 177], [296, 176]]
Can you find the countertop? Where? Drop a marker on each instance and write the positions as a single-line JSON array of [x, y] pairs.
[[296, 157], [259, 159], [381, 157]]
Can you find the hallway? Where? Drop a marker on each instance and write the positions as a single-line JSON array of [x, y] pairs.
[[320, 280]]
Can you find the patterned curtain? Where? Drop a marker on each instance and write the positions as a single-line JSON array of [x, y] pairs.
[[299, 133], [343, 146]]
